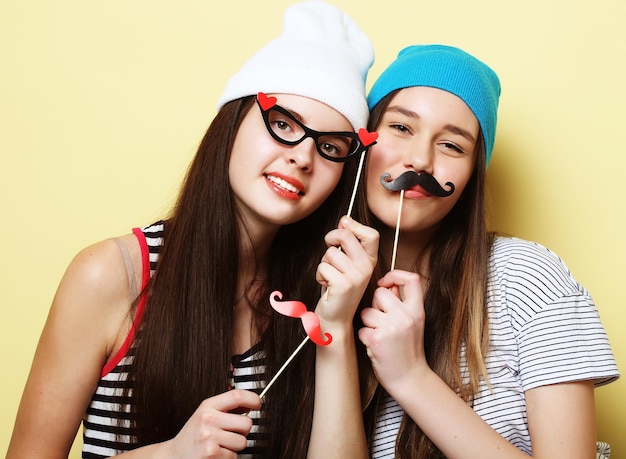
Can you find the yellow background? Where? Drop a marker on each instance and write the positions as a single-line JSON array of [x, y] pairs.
[[102, 105]]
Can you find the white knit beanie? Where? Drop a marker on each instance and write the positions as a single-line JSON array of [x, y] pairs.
[[322, 54]]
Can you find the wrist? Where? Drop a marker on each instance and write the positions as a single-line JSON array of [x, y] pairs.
[[339, 332], [414, 382], [343, 342]]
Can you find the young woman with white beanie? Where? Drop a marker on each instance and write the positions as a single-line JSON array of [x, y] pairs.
[[158, 340]]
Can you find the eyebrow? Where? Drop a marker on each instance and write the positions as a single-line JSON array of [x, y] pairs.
[[402, 111], [462, 132], [448, 127], [296, 115]]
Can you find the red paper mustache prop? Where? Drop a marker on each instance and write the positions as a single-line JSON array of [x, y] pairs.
[[297, 309]]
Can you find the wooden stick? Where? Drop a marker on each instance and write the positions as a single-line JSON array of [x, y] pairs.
[[395, 239], [305, 340], [291, 357], [351, 205], [356, 184]]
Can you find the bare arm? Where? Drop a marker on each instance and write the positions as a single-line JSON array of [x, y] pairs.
[[561, 420], [560, 417], [86, 320], [338, 430]]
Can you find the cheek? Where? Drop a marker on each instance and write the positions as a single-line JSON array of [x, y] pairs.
[[240, 166], [327, 178], [378, 164], [460, 175], [232, 167], [239, 158], [380, 155], [376, 196], [460, 182]]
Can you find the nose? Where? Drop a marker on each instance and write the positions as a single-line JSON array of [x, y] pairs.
[[418, 156], [302, 154]]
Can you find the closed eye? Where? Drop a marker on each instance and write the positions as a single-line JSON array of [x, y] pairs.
[[452, 146], [400, 127]]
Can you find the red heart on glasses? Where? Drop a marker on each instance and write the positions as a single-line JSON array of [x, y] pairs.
[[367, 138], [266, 102]]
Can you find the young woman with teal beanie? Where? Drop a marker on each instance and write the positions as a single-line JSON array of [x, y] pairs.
[[481, 345]]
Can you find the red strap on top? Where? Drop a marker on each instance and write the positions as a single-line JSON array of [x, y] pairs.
[[145, 277]]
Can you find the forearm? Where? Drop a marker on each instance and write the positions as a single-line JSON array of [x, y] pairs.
[[155, 451], [449, 422], [338, 430]]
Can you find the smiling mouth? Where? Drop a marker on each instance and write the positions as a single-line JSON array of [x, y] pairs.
[[285, 185]]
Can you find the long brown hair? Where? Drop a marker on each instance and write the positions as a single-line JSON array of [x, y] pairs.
[[456, 315], [183, 355]]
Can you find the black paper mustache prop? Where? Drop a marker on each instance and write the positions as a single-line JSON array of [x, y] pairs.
[[410, 178]]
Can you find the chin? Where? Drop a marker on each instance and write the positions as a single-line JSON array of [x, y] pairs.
[[388, 217]]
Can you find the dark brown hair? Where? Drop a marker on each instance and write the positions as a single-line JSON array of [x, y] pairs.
[[183, 355], [456, 315]]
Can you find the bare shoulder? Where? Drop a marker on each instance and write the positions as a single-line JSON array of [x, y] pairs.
[[95, 289], [97, 272], [88, 320]]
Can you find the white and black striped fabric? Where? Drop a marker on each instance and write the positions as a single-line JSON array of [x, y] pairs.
[[103, 435], [248, 374], [106, 425], [544, 329]]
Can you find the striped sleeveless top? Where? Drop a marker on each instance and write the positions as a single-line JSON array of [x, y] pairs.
[[544, 329], [107, 421]]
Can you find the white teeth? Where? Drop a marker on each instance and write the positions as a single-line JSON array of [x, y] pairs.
[[282, 183]]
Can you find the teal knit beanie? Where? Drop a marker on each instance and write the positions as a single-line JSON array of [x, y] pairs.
[[450, 69]]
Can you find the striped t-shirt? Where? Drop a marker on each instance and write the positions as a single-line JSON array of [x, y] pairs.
[[544, 329], [106, 424]]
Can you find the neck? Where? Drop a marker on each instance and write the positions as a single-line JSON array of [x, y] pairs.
[[254, 247]]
